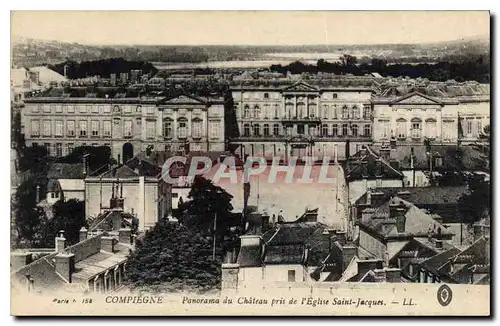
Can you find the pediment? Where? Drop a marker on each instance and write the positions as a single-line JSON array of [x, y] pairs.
[[300, 87], [415, 98], [184, 99]]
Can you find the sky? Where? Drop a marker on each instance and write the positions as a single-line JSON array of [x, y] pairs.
[[248, 27]]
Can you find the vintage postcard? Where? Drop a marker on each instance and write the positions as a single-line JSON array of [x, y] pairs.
[[250, 163]]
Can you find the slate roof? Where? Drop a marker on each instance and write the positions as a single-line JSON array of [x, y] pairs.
[[66, 171], [250, 256]]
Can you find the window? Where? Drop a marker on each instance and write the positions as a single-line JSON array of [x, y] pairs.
[[301, 129], [247, 112], [469, 126], [36, 108], [355, 112], [150, 110], [447, 130], [34, 144], [71, 109], [59, 128], [401, 128], [276, 110], [256, 111], [344, 129], [197, 128], [366, 112], [59, 109], [266, 111], [150, 129], [334, 95], [107, 128], [266, 129], [107, 109], [416, 128], [127, 128], [70, 127], [276, 129], [291, 276], [127, 109], [354, 130], [182, 129], [69, 148], [324, 130], [46, 108], [367, 131], [479, 127], [46, 128], [83, 128], [335, 130], [256, 130], [325, 111], [95, 108], [246, 130], [384, 129], [82, 109], [334, 111], [214, 129], [345, 112], [167, 128], [430, 128], [301, 110], [168, 147], [266, 95], [59, 149], [35, 128], [95, 128]]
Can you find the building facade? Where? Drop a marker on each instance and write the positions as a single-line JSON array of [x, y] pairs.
[[126, 125], [301, 120]]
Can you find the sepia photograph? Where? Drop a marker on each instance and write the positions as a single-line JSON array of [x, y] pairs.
[[237, 163]]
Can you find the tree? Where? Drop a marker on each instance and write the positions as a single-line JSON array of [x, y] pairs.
[[69, 216], [483, 146], [476, 204], [206, 201], [172, 258]]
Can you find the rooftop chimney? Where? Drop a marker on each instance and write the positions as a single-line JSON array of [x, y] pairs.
[[364, 266], [400, 219], [250, 240], [83, 234], [439, 243], [379, 275], [20, 259], [265, 223], [60, 242], [37, 199], [108, 244], [349, 251], [367, 214], [65, 265], [124, 235], [377, 198], [385, 153]]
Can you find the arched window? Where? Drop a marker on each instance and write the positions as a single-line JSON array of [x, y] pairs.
[[182, 128], [246, 130], [167, 128], [276, 111], [354, 130], [325, 111], [246, 113], [430, 128], [276, 129], [197, 128], [266, 129], [345, 112], [301, 108], [355, 112], [401, 128], [344, 129], [335, 130], [324, 130], [289, 110], [416, 128], [256, 130], [334, 111], [256, 111], [367, 131]]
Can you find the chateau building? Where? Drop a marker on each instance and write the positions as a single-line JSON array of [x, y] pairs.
[[126, 125], [301, 120]]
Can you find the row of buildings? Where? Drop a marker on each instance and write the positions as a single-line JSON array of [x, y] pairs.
[[278, 117]]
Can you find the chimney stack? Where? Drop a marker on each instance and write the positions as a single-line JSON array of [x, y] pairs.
[[379, 275], [83, 234], [65, 265], [393, 275], [265, 223], [349, 251], [108, 244], [60, 242], [367, 214], [124, 235], [20, 259], [377, 198], [385, 153], [37, 199]]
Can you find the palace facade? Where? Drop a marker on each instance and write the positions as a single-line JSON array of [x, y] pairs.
[[301, 120], [126, 125]]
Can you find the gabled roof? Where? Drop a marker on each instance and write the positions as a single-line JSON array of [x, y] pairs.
[[416, 98], [120, 172], [300, 86], [184, 99], [65, 171]]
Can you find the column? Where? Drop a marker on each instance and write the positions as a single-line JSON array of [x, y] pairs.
[[307, 106], [295, 106]]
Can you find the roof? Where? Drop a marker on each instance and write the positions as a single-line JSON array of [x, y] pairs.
[[95, 264], [250, 256], [66, 171], [72, 184], [421, 196], [48, 75], [416, 222]]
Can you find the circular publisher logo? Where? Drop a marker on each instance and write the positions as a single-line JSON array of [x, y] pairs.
[[444, 295]]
